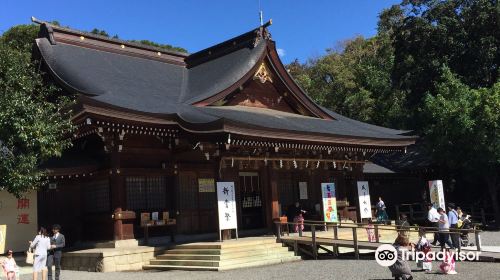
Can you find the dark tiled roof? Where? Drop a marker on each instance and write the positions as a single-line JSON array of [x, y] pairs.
[[415, 159], [153, 86], [281, 120]]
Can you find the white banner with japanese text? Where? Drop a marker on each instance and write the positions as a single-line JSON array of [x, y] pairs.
[[226, 197], [436, 193], [365, 206]]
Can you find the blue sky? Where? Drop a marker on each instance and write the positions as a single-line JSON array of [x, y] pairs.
[[302, 29]]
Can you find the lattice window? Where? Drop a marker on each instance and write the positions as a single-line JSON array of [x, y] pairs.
[[156, 192], [96, 196], [250, 190], [146, 193]]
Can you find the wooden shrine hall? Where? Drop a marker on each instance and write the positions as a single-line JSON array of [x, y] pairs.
[[155, 129]]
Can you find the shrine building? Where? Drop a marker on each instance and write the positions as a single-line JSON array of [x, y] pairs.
[[156, 128]]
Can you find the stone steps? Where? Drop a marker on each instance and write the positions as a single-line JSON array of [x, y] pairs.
[[195, 255], [223, 255], [179, 267]]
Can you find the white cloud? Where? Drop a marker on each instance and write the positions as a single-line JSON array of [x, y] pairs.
[[281, 52]]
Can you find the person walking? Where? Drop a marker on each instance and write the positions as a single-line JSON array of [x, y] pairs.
[[444, 230], [381, 211], [57, 242], [41, 244], [432, 220], [453, 221]]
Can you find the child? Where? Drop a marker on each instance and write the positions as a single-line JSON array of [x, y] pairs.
[[299, 222], [370, 231], [448, 264], [423, 246], [9, 266]]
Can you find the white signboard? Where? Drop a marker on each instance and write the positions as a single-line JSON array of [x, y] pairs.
[[365, 206], [436, 193], [329, 202], [303, 190], [227, 205]]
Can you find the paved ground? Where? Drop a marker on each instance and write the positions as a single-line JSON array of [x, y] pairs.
[[323, 269]]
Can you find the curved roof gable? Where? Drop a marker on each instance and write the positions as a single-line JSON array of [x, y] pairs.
[[186, 89]]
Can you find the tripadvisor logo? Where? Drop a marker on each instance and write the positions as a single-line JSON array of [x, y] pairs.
[[387, 255]]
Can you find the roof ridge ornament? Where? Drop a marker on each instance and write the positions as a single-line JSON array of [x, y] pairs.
[[262, 33], [262, 74]]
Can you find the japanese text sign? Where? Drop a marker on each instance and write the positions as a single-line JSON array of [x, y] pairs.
[[365, 206], [436, 193], [329, 202], [227, 205]]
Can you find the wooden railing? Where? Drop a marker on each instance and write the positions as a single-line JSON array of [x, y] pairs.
[[315, 225]]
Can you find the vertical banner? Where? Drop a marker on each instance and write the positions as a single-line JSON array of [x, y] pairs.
[[365, 206], [436, 193], [329, 202], [227, 205]]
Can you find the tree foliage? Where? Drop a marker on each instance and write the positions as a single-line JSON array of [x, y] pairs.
[[20, 37], [354, 80], [432, 68], [33, 125], [463, 129], [34, 115]]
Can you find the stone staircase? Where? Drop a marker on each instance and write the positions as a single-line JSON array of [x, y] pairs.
[[246, 252]]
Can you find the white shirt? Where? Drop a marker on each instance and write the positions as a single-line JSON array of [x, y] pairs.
[[433, 215], [9, 264], [41, 245], [444, 226]]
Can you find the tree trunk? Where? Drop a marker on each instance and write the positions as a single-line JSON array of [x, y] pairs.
[[493, 185]]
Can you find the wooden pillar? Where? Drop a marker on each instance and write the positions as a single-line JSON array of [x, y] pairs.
[[123, 229], [273, 201]]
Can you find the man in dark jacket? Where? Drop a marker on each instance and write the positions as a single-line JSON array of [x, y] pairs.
[[57, 243]]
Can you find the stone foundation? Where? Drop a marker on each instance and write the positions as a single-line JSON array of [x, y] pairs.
[[110, 259]]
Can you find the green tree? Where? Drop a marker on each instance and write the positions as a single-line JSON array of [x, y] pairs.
[[20, 37], [462, 34], [355, 80], [462, 130], [32, 128], [99, 32]]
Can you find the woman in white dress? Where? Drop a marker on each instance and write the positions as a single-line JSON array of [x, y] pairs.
[[41, 244]]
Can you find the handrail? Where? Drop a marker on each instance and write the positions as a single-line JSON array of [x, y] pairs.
[[386, 227], [376, 227]]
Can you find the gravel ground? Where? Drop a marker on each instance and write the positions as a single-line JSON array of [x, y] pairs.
[[489, 238], [322, 269]]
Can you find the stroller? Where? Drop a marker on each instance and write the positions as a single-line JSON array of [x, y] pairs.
[[464, 235]]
